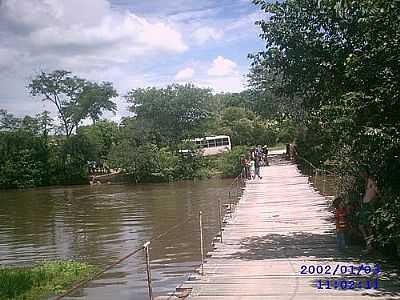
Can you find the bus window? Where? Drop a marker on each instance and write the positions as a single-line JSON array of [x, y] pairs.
[[225, 141], [211, 143]]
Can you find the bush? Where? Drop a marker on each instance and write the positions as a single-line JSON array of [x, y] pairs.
[[386, 220], [287, 132], [230, 163], [41, 281]]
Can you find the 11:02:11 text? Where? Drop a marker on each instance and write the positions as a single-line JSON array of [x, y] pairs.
[[343, 284]]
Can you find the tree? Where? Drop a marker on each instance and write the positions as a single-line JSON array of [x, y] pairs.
[[8, 121], [23, 150], [139, 162], [341, 60], [232, 114], [75, 98], [174, 113], [95, 98], [63, 90], [103, 136]]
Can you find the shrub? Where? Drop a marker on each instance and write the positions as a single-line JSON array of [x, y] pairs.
[[41, 281], [230, 163]]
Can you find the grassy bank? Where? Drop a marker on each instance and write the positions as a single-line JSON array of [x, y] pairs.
[[41, 281]]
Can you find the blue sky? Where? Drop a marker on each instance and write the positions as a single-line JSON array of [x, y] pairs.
[[130, 43]]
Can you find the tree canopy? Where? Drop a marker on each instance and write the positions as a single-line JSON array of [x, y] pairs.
[[75, 98], [339, 61], [174, 113]]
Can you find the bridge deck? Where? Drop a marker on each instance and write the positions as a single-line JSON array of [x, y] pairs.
[[280, 224]]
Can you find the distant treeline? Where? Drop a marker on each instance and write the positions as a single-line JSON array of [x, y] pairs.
[[39, 151]]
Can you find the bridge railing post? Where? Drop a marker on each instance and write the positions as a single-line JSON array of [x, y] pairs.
[[147, 255], [201, 243], [315, 178], [237, 187], [230, 203], [220, 218]]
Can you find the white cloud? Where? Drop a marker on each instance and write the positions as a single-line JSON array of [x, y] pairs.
[[115, 39], [84, 33], [222, 66], [234, 83], [7, 56], [90, 38], [184, 74], [204, 34], [132, 44], [246, 22]]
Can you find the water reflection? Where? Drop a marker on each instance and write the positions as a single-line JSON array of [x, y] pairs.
[[102, 223]]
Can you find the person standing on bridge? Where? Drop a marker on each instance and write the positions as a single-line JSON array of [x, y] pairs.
[[257, 163], [252, 168], [265, 155], [246, 166]]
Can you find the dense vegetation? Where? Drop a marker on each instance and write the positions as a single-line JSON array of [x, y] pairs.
[[41, 281], [335, 66], [39, 151]]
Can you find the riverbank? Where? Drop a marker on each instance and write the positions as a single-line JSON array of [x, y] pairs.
[[41, 281], [184, 167]]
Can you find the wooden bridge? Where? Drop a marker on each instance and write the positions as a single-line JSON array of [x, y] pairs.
[[280, 227]]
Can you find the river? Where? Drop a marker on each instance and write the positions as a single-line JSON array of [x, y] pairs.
[[99, 224]]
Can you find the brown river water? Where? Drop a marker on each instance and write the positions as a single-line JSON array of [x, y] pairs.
[[100, 224]]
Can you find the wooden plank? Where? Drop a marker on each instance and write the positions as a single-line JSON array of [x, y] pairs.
[[279, 224]]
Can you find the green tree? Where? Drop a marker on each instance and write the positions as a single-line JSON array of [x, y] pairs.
[[63, 90], [173, 113], [340, 59], [8, 121], [75, 153], [102, 135], [23, 150], [75, 98], [94, 99], [138, 161]]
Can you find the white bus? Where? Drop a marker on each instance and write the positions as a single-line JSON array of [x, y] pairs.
[[213, 145]]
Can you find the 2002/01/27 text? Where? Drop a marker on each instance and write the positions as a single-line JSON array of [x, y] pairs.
[[345, 284]]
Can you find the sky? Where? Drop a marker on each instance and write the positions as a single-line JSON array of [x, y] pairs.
[[132, 43]]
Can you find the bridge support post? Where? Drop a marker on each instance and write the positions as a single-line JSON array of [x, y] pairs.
[[201, 243], [220, 218], [230, 204], [147, 254], [315, 178]]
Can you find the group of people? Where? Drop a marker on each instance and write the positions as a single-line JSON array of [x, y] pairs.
[[253, 160], [354, 215]]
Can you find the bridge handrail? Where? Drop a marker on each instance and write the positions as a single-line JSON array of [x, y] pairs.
[[137, 250], [317, 171], [312, 165], [238, 180], [340, 186]]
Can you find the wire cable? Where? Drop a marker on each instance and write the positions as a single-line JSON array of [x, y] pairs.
[[82, 283]]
